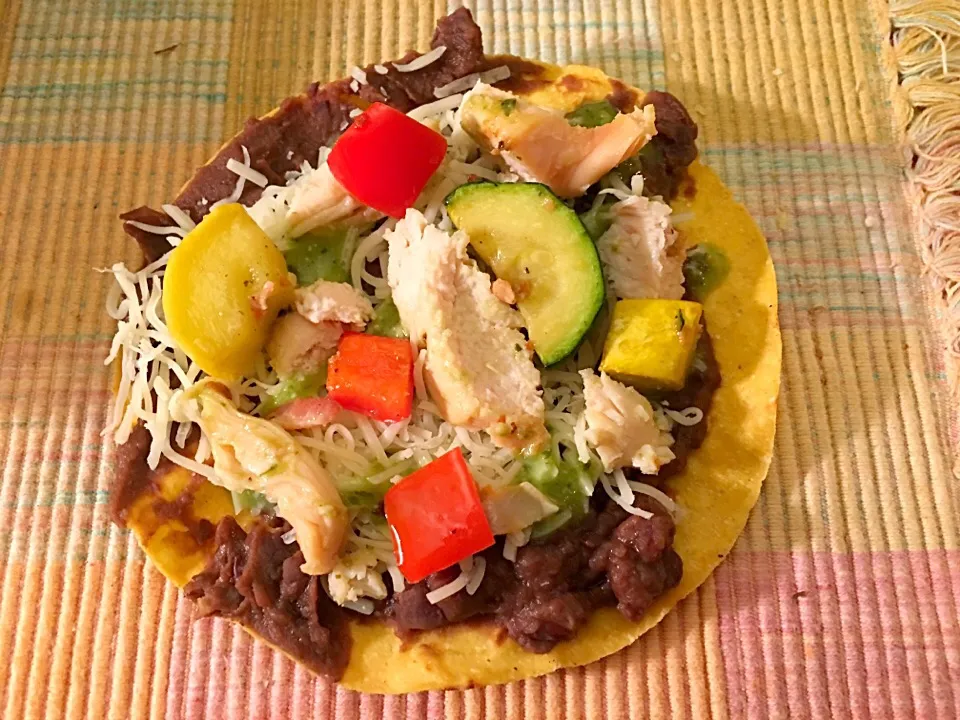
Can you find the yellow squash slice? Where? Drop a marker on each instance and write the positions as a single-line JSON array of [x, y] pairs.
[[651, 342], [224, 285]]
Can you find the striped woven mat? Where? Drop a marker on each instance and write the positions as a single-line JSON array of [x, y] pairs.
[[842, 596]]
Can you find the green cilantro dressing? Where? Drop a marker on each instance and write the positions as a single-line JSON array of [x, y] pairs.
[[298, 386], [321, 255], [705, 268], [593, 114], [565, 484], [386, 321]]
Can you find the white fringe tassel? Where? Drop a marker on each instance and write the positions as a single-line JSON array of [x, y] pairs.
[[925, 52]]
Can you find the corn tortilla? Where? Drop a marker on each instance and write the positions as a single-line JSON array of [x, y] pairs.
[[717, 489]]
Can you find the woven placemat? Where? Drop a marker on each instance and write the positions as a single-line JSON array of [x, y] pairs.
[[841, 598]]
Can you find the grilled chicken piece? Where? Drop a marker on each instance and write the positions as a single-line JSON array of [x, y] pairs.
[[303, 341], [315, 199], [640, 254], [540, 145], [334, 302], [621, 426], [251, 453], [297, 345], [478, 368]]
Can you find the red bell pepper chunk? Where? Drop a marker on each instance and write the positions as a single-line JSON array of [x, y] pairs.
[[372, 375], [384, 159], [436, 518]]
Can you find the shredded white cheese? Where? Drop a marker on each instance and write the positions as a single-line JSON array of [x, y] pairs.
[[289, 537], [456, 86], [247, 172], [241, 182], [448, 590], [495, 75], [419, 385], [467, 82], [690, 416], [396, 578], [359, 75], [148, 360], [657, 494], [179, 217], [580, 438], [421, 62], [436, 197], [476, 575], [474, 169], [158, 229], [513, 541], [624, 500], [469, 579], [397, 545], [435, 108]]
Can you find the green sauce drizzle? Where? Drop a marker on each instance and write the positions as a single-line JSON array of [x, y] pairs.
[[592, 115], [705, 268]]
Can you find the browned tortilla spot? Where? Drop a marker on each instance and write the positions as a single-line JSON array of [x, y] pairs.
[[623, 98], [525, 76], [571, 83]]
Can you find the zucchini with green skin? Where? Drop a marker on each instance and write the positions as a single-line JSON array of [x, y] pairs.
[[528, 237]]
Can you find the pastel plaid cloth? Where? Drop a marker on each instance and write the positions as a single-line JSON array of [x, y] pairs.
[[841, 598]]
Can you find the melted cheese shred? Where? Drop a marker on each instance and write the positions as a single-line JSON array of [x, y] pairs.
[[469, 579], [422, 61], [149, 361]]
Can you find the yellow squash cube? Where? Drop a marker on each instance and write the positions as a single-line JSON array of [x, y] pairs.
[[213, 292], [651, 342]]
